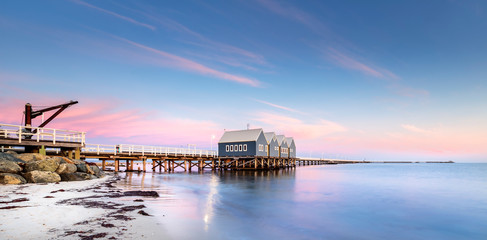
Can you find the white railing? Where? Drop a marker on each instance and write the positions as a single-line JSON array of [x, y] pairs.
[[147, 150], [23, 133]]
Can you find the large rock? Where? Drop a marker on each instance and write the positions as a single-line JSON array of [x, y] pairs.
[[29, 157], [11, 157], [98, 172], [42, 177], [77, 176], [8, 178], [85, 168], [7, 166], [66, 168], [49, 164]]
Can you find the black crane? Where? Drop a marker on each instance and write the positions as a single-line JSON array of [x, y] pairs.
[[29, 114]]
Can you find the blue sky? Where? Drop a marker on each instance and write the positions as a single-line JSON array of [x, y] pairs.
[[357, 79]]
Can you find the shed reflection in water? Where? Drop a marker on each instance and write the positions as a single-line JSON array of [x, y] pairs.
[[361, 201]]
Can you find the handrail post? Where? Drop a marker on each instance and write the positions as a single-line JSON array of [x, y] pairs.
[[54, 136], [20, 134]]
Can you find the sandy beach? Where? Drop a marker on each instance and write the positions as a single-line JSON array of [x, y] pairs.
[[93, 209]]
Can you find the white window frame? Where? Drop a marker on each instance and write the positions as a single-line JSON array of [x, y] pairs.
[[236, 148], [240, 147], [231, 148], [227, 148], [245, 147]]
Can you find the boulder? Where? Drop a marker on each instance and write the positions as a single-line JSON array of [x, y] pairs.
[[8, 178], [66, 168], [49, 164], [41, 177], [98, 172], [77, 176], [12, 152], [11, 157], [29, 157], [85, 168], [7, 166]]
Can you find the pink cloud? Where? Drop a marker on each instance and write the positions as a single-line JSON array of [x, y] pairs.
[[415, 129], [131, 20], [190, 65], [294, 127], [108, 123]]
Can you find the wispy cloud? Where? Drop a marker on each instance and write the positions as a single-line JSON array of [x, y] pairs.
[[415, 129], [205, 42], [295, 127], [193, 66], [277, 106], [409, 91], [348, 62], [295, 14], [128, 19]]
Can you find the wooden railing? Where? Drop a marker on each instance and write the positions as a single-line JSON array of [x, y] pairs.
[[147, 150], [23, 133]]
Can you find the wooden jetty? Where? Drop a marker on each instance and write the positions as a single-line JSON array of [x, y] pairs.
[[72, 144]]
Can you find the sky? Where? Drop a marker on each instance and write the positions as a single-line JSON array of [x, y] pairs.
[[375, 80]]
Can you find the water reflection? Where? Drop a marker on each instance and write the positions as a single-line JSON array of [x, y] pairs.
[[322, 202]]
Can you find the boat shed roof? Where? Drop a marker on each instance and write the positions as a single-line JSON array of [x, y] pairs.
[[241, 136], [289, 140], [269, 136], [280, 138]]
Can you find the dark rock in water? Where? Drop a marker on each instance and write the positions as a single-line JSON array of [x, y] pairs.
[[48, 164], [142, 212], [9, 178], [77, 176], [131, 208], [28, 157], [141, 193], [8, 166], [66, 168], [42, 177]]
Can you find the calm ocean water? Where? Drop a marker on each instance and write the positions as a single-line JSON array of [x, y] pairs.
[[355, 201]]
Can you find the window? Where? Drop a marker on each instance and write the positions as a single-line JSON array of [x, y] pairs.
[[240, 147], [228, 148], [231, 148], [261, 147], [245, 147], [266, 148], [236, 148]]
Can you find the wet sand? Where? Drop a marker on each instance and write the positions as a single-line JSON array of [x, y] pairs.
[[94, 209]]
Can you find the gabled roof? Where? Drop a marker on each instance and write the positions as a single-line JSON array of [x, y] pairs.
[[269, 136], [280, 139], [241, 136], [289, 141]]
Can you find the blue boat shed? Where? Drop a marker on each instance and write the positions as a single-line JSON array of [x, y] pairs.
[[292, 147], [283, 147], [243, 143], [272, 145]]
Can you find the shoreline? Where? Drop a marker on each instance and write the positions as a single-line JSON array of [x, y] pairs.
[[92, 209]]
